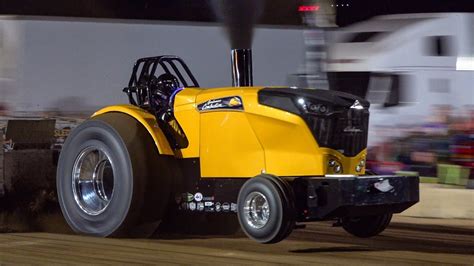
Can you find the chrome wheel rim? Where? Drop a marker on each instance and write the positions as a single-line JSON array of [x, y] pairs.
[[256, 210], [93, 180]]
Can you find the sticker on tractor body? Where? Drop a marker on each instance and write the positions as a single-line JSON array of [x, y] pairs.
[[226, 206], [218, 206], [227, 103], [383, 186], [198, 196], [200, 206], [198, 202]]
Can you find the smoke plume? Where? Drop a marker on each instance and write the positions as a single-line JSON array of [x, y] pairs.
[[239, 18]]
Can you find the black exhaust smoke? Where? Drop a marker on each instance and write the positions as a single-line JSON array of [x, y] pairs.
[[239, 18]]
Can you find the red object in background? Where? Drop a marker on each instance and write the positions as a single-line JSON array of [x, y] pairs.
[[463, 154], [467, 149], [308, 8]]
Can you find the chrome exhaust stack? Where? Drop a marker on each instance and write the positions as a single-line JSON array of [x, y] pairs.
[[241, 60]]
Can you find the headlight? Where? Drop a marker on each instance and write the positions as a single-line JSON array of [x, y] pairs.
[[361, 165], [299, 105], [334, 166], [310, 107]]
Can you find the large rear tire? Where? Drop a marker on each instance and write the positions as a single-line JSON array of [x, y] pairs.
[[104, 178], [266, 209], [366, 226]]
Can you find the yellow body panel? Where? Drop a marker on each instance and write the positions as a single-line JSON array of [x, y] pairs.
[[242, 143], [186, 96], [233, 142], [229, 148], [146, 119], [189, 120], [290, 149]]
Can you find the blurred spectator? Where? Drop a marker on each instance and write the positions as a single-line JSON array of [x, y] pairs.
[[444, 138], [438, 123]]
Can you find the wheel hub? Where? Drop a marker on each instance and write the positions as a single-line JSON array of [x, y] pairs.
[[93, 180], [256, 210]]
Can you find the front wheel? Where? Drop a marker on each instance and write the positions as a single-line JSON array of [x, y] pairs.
[[266, 209], [366, 226]]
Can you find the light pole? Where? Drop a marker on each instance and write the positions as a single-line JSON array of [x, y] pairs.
[[318, 16]]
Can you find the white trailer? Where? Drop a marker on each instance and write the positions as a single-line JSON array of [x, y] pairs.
[[66, 64], [405, 65]]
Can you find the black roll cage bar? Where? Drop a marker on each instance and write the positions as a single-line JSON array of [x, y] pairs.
[[148, 66]]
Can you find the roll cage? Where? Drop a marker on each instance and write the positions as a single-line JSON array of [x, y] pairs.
[[138, 89]]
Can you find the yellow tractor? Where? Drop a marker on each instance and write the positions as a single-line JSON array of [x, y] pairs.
[[278, 157]]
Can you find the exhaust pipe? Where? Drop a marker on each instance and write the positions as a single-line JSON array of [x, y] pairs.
[[242, 67]]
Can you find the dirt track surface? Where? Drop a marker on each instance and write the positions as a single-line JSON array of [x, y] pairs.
[[407, 240]]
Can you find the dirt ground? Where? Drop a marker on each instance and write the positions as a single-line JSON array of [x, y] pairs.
[[407, 240]]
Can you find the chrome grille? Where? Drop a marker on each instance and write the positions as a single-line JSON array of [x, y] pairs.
[[344, 131]]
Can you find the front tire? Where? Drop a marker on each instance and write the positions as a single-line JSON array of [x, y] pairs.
[[266, 209], [366, 226]]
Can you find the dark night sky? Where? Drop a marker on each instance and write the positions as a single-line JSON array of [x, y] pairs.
[[276, 11]]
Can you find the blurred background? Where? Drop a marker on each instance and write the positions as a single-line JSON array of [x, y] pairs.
[[414, 61]]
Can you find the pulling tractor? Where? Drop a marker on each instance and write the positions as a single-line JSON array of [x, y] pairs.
[[275, 157]]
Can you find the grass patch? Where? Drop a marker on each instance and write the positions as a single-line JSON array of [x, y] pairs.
[[430, 180]]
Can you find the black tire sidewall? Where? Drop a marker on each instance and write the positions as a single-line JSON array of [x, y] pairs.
[[272, 229], [288, 200], [367, 226], [101, 135]]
